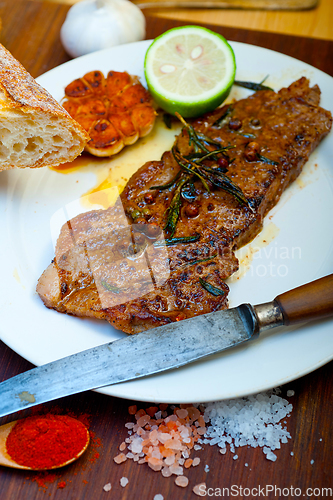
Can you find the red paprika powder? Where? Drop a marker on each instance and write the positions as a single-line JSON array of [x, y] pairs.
[[46, 441]]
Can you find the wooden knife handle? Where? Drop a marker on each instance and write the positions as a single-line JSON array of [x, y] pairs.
[[305, 303]]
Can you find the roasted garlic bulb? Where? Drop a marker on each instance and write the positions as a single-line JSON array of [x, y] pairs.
[[115, 111]]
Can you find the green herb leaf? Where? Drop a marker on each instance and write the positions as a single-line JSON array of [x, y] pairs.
[[174, 208], [252, 85], [248, 136], [198, 261], [167, 120], [267, 160], [197, 174], [219, 121], [211, 288], [110, 288], [199, 157], [193, 137], [224, 182], [174, 241]]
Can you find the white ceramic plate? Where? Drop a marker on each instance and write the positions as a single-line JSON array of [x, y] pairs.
[[296, 246]]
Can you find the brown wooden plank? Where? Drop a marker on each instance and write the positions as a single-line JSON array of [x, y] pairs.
[[310, 425], [229, 4], [30, 31]]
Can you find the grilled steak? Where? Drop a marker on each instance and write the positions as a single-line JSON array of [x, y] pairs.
[[112, 264]]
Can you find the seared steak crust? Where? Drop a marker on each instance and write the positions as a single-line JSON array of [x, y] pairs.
[[272, 135]]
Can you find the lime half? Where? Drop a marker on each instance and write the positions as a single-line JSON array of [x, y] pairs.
[[190, 70]]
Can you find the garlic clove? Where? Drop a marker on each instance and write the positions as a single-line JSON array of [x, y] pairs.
[[93, 25]]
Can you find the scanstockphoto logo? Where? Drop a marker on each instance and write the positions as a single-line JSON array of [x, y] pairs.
[[267, 491]]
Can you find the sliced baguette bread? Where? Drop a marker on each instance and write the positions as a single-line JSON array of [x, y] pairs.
[[35, 130]]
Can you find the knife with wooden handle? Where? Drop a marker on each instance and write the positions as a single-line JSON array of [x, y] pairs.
[[164, 348]]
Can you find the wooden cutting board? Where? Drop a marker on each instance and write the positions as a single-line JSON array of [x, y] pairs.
[[229, 4]]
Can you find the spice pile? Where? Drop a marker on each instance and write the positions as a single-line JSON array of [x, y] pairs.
[[42, 414], [41, 442], [166, 437]]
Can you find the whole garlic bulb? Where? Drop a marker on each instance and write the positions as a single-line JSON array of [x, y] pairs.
[[92, 25]]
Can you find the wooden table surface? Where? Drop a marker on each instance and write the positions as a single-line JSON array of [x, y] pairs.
[[31, 32], [315, 22]]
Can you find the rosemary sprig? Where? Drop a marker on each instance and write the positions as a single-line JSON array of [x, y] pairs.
[[211, 288], [196, 139], [199, 157], [192, 166], [198, 261], [266, 160], [219, 122], [218, 179], [174, 207], [248, 136], [110, 288], [174, 241], [195, 170], [252, 85]]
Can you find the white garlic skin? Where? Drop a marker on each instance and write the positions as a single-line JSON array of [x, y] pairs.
[[93, 25]]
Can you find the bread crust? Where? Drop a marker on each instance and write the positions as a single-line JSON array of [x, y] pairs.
[[22, 94]]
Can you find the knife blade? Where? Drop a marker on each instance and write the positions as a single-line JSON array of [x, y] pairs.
[[164, 348]]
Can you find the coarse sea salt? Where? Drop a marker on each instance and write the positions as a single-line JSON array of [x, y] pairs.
[[252, 421], [165, 437], [123, 482]]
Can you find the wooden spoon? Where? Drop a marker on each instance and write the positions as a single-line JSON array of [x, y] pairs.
[[6, 460]]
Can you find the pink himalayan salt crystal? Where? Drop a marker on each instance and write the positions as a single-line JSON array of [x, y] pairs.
[[154, 461], [143, 420], [200, 489], [181, 481], [107, 487], [196, 461], [164, 443], [182, 413], [169, 460], [120, 458], [193, 413], [155, 467], [173, 444], [163, 437], [176, 469], [166, 472], [122, 446], [136, 445]]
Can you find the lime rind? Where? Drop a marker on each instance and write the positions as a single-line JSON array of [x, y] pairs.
[[204, 90]]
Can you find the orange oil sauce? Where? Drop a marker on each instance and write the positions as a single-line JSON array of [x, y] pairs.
[[247, 253], [112, 173]]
